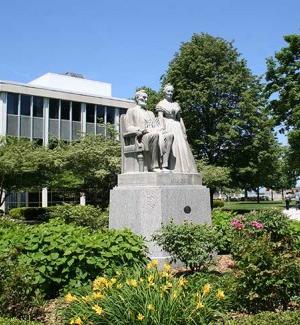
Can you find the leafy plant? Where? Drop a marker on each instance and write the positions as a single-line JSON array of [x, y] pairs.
[[221, 222], [86, 216], [267, 318], [267, 272], [68, 255], [19, 295], [146, 295], [15, 321], [192, 244], [28, 213]]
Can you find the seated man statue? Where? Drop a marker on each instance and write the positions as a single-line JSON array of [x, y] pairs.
[[157, 142]]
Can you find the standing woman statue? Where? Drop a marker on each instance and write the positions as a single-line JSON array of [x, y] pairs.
[[182, 159]]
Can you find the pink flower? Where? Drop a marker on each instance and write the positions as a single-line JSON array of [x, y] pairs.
[[257, 225], [236, 224]]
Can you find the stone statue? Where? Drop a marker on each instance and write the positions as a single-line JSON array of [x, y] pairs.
[[157, 141], [182, 159]]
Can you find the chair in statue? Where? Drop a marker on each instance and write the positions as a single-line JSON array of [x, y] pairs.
[[132, 150]]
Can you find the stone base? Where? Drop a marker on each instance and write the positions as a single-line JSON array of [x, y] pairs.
[[143, 201]]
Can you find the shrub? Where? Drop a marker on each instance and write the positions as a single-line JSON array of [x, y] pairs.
[[26, 214], [15, 321], [267, 272], [19, 296], [192, 244], [221, 222], [146, 295], [86, 216], [267, 318], [68, 255], [275, 222], [218, 204]]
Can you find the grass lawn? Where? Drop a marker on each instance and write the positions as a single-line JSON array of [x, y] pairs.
[[255, 206]]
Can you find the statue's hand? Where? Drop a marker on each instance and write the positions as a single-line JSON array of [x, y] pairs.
[[144, 131]]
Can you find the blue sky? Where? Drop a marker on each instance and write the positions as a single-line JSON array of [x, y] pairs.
[[130, 43]]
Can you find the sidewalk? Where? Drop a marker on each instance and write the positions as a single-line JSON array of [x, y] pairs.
[[292, 213]]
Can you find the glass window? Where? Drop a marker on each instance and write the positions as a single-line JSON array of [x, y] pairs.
[[122, 111], [100, 114], [110, 115], [25, 105], [53, 108], [65, 110], [12, 103], [76, 111], [38, 103], [90, 113]]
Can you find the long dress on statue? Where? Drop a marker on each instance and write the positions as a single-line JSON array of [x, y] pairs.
[[182, 159]]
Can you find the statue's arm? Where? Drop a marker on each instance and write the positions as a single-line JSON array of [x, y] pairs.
[[161, 120], [130, 123]]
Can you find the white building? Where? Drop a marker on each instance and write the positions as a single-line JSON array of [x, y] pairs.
[[61, 106]]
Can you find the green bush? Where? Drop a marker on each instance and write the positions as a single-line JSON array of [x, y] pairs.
[[147, 296], [276, 223], [87, 216], [192, 244], [26, 214], [218, 204], [267, 272], [66, 255], [268, 318], [221, 222], [15, 321], [19, 295]]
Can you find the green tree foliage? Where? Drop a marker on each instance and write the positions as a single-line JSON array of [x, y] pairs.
[[24, 166], [223, 109], [90, 164], [283, 82]]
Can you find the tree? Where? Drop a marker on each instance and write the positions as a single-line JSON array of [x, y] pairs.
[[283, 83], [214, 177], [223, 108], [24, 166], [89, 165]]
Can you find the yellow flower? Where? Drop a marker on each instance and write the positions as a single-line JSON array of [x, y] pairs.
[[182, 281], [166, 287], [220, 294], [132, 283], [150, 307], [167, 267], [70, 298], [166, 275], [174, 294], [87, 298], [100, 283], [98, 310], [113, 281], [150, 280], [206, 288], [199, 305], [140, 317], [119, 286], [76, 321], [97, 295], [153, 264]]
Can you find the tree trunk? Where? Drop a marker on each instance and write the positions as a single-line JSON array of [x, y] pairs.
[[282, 195], [258, 198], [272, 195], [246, 194], [211, 194]]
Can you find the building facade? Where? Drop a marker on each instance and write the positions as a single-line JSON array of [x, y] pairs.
[[56, 106]]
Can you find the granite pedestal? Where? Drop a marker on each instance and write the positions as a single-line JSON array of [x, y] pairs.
[[143, 201]]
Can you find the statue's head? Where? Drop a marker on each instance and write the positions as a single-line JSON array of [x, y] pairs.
[[168, 91], [141, 98]]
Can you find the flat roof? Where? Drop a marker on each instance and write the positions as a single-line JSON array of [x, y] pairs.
[[49, 92]]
